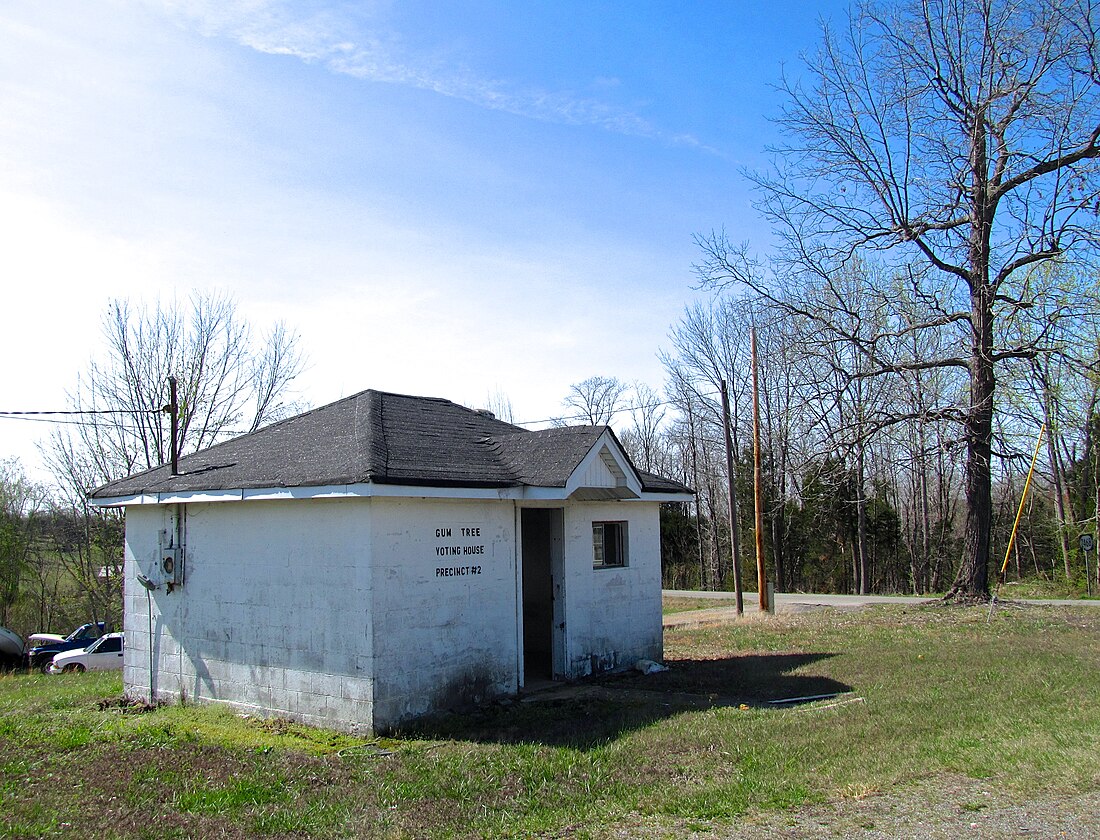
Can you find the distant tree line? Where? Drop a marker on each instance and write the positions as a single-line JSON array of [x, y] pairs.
[[862, 477], [59, 567]]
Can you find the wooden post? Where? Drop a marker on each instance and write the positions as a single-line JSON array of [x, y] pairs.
[[732, 509], [757, 479], [174, 409], [695, 482]]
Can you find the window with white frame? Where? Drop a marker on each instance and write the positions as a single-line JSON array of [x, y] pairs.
[[608, 545]]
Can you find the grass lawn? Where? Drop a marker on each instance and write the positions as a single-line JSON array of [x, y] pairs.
[[674, 604], [931, 692]]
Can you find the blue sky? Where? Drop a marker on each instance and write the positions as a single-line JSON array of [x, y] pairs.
[[448, 199]]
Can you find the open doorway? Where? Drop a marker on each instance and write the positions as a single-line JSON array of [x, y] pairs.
[[542, 605]]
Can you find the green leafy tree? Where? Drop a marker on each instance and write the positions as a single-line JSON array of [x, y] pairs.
[[21, 501]]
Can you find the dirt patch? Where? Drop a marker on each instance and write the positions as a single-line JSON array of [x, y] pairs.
[[129, 792], [938, 808], [127, 705]]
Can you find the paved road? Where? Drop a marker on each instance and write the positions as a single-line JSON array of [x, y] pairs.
[[802, 601], [808, 598]]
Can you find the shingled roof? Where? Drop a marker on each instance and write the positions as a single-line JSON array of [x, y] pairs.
[[382, 438]]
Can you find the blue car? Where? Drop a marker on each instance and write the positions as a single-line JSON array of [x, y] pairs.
[[40, 656]]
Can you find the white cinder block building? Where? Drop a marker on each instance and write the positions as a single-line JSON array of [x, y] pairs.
[[388, 556]]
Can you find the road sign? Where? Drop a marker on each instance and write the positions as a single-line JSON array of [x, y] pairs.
[[1086, 542]]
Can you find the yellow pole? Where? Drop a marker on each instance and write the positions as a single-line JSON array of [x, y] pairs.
[[1023, 498], [1015, 525]]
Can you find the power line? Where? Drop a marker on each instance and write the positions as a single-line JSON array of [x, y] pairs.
[[77, 413], [46, 420], [43, 416], [50, 417]]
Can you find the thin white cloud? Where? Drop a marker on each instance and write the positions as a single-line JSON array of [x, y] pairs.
[[313, 33]]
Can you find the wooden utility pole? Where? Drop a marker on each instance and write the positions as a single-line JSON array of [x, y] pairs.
[[174, 409], [757, 480], [732, 505], [695, 484]]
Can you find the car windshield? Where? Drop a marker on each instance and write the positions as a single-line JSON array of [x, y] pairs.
[[84, 631]]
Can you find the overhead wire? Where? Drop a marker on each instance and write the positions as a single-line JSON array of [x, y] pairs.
[[81, 411], [45, 416], [49, 416]]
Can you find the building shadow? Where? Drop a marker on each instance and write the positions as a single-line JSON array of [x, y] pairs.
[[588, 713]]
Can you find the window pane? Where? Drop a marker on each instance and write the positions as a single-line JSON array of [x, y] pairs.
[[609, 544], [613, 544]]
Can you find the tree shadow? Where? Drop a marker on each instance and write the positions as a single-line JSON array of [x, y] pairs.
[[591, 712]]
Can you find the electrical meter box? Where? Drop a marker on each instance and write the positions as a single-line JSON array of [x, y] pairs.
[[171, 562]]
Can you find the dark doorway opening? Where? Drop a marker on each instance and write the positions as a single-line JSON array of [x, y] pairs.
[[538, 546]]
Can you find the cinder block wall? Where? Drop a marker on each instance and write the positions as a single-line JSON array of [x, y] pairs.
[[445, 624], [274, 616], [613, 616], [364, 613]]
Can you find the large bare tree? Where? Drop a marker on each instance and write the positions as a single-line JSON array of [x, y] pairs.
[[231, 380], [595, 401], [960, 136]]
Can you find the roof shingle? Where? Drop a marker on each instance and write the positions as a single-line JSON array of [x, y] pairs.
[[381, 438]]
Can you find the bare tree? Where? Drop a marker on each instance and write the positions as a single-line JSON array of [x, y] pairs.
[[500, 404], [1055, 389], [959, 133], [87, 542], [596, 400], [711, 346], [229, 383], [642, 438]]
